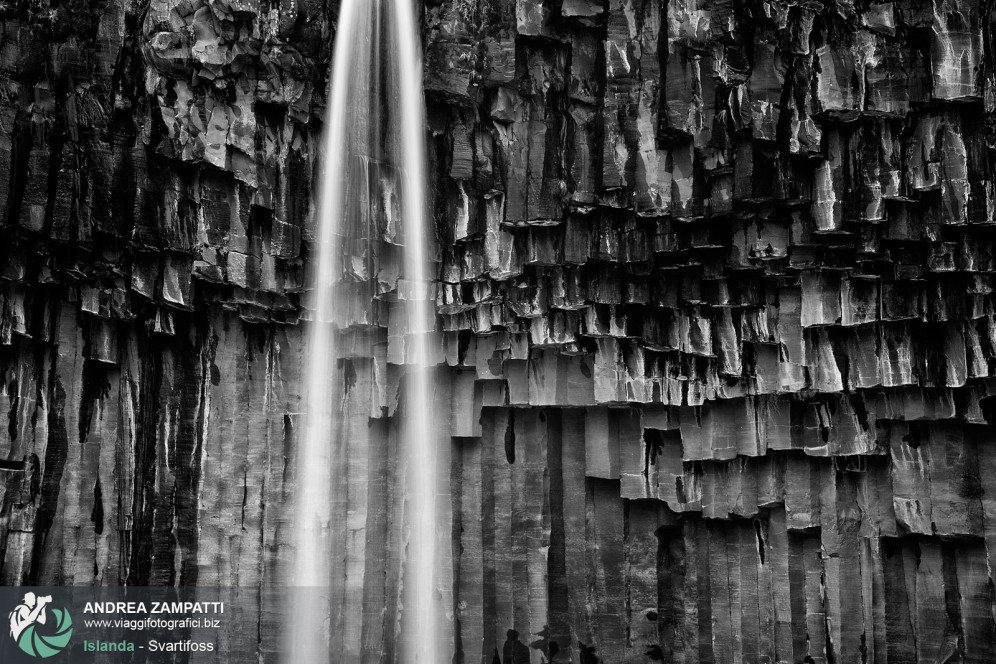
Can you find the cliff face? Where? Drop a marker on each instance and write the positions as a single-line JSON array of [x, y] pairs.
[[715, 310]]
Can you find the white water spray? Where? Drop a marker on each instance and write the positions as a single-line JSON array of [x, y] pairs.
[[418, 417], [374, 114], [307, 609]]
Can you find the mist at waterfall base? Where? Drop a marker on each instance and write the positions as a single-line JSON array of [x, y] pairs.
[[374, 133]]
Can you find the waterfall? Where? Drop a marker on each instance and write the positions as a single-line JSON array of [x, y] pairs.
[[375, 123], [422, 467]]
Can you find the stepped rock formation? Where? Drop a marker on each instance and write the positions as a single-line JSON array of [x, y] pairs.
[[717, 347]]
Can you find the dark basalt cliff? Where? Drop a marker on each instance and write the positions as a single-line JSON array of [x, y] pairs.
[[717, 349]]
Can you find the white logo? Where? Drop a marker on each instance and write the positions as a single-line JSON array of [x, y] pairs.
[[39, 629], [29, 612]]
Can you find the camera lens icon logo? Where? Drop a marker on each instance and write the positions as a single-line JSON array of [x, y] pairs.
[[40, 630]]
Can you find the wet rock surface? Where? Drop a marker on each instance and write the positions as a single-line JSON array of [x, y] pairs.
[[716, 339]]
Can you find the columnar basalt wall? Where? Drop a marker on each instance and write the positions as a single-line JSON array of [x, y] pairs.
[[717, 348]]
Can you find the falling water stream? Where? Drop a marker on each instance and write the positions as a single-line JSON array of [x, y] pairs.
[[422, 466], [375, 119]]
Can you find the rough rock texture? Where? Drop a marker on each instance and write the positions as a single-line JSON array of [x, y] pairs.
[[717, 340]]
